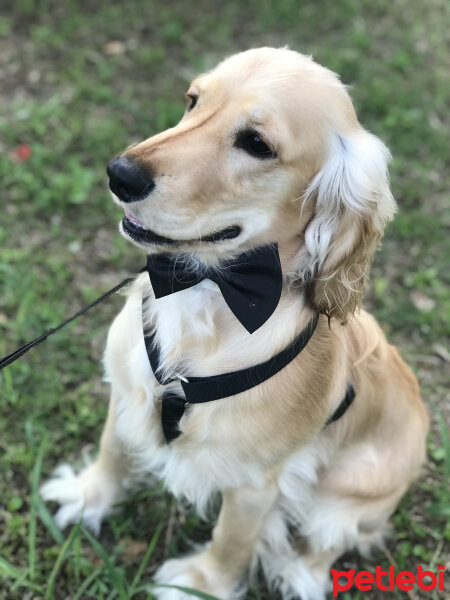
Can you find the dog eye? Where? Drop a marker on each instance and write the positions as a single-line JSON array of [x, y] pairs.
[[191, 101], [251, 142]]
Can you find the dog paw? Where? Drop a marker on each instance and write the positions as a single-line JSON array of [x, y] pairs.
[[197, 572], [89, 496], [297, 580]]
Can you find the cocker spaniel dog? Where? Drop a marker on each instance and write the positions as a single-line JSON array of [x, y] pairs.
[[241, 363]]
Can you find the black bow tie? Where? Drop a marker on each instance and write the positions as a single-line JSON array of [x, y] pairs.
[[250, 284]]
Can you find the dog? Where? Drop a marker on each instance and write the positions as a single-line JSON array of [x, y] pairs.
[[269, 164]]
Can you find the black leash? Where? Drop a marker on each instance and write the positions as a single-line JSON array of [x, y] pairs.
[[8, 360]]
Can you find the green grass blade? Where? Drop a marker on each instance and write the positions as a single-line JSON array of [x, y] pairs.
[[35, 476], [190, 591], [86, 583], [47, 519], [256, 594], [32, 543], [144, 562], [445, 439], [23, 582], [115, 574], [59, 561], [8, 570]]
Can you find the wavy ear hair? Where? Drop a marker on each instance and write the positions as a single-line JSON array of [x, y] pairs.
[[353, 204]]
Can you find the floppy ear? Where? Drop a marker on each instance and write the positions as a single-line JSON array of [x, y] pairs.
[[353, 204]]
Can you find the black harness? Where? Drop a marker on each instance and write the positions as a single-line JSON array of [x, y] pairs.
[[206, 389]]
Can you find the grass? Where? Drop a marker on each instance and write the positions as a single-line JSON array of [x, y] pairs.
[[81, 83]]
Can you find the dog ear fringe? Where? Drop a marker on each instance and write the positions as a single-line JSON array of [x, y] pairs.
[[338, 294], [353, 204]]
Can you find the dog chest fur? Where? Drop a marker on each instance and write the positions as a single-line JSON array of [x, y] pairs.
[[197, 333]]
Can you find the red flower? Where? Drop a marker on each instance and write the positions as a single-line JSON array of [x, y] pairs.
[[22, 153]]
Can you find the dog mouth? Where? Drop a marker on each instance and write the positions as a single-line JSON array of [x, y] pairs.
[[136, 231]]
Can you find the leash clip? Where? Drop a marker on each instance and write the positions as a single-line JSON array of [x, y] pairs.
[[181, 378]]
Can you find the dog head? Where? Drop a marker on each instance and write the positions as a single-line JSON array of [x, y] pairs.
[[269, 149]]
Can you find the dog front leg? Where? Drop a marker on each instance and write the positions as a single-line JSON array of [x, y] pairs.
[[221, 567], [91, 494]]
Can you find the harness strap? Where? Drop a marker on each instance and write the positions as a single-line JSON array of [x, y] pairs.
[[172, 409], [152, 349], [216, 387], [207, 389], [343, 406]]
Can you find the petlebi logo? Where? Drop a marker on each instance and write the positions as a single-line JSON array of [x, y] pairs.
[[389, 580]]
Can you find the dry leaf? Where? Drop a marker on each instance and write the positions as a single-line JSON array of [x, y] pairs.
[[114, 48], [421, 301]]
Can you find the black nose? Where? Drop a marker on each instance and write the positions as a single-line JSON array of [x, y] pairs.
[[129, 181]]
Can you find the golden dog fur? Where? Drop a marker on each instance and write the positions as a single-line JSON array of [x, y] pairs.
[[296, 495]]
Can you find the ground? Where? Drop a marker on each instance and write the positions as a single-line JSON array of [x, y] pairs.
[[78, 85]]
